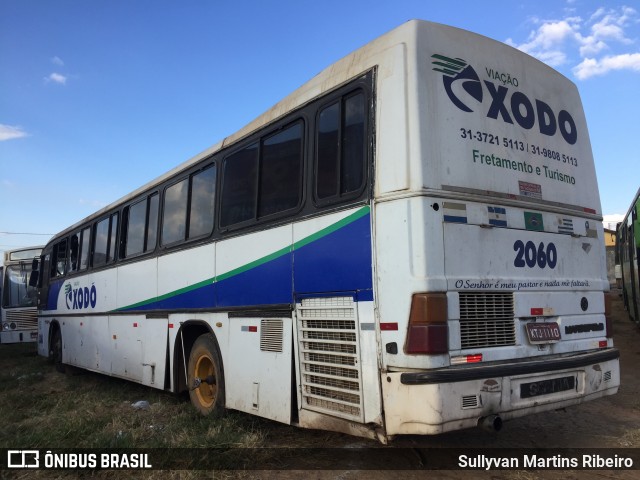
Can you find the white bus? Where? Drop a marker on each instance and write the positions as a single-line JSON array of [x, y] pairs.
[[410, 243], [19, 314]]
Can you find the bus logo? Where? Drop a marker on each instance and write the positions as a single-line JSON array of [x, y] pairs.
[[456, 70], [516, 107], [80, 298]]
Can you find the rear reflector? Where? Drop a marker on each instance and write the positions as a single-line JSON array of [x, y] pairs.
[[542, 312], [428, 330], [389, 326], [607, 316], [475, 358]]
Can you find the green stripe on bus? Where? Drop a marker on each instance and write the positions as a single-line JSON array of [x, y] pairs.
[[332, 228], [260, 261]]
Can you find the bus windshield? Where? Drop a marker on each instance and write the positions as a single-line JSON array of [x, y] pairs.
[[17, 292]]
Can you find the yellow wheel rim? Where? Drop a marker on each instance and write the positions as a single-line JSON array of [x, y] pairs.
[[206, 393]]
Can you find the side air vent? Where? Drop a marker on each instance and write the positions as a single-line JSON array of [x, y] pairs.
[[486, 320], [470, 401], [271, 332]]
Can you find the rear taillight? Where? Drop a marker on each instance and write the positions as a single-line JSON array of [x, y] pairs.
[[607, 316], [428, 331]]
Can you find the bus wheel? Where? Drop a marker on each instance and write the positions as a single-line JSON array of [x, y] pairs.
[[55, 351], [206, 380]]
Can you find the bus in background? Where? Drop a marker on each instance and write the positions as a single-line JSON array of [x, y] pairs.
[[410, 243], [628, 246], [18, 299]]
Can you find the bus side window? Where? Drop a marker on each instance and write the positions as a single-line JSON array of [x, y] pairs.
[[74, 248], [239, 186], [135, 228], [113, 235], [100, 242], [174, 223], [141, 224], [59, 260], [84, 249], [341, 149], [189, 207], [264, 178], [201, 206], [281, 171]]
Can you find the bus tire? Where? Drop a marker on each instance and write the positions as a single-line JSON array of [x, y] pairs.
[[55, 351], [206, 378]]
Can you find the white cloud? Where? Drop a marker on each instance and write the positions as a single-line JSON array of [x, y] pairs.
[[57, 61], [591, 67], [56, 78], [545, 42], [9, 132], [591, 46], [555, 41], [607, 26]]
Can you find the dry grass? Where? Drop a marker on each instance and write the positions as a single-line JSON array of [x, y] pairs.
[[43, 409]]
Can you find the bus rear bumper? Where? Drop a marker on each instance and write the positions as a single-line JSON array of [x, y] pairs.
[[441, 400]]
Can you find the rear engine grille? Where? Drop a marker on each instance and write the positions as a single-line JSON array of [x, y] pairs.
[[486, 320], [329, 356]]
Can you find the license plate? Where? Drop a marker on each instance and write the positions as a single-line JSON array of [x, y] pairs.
[[543, 332], [546, 387]]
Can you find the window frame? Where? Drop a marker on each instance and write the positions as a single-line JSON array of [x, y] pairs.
[[340, 97], [124, 230], [188, 177], [54, 258], [111, 254], [296, 118]]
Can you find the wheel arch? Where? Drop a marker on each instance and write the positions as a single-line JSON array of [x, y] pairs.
[[187, 334], [54, 326]]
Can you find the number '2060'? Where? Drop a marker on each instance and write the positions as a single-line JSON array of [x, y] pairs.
[[528, 255]]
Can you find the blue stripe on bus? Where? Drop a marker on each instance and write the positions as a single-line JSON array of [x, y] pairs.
[[338, 262]]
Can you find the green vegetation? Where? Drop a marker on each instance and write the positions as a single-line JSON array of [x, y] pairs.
[[41, 408]]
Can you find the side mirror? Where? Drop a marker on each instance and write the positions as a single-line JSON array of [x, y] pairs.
[[33, 277]]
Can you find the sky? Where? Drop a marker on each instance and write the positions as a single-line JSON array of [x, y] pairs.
[[100, 97]]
